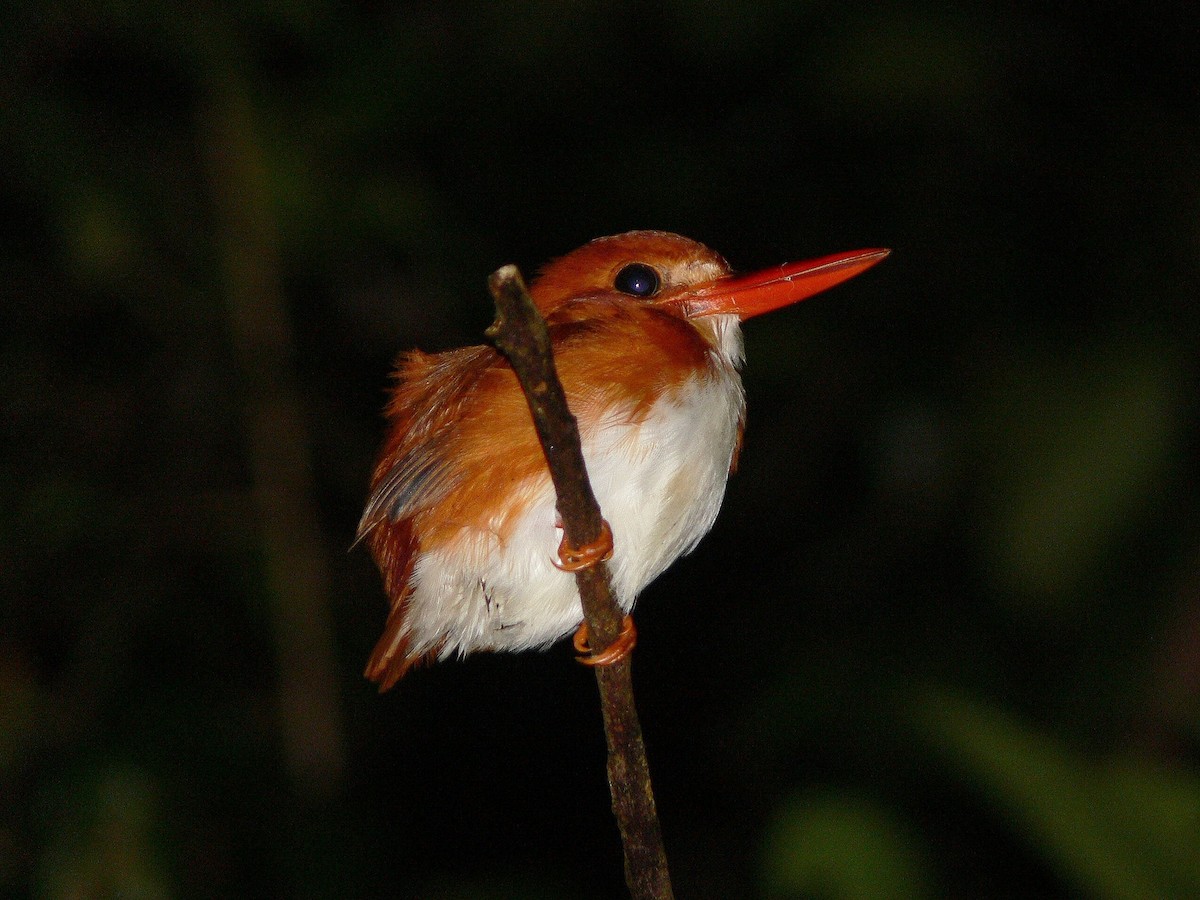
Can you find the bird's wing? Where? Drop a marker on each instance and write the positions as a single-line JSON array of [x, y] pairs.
[[415, 470]]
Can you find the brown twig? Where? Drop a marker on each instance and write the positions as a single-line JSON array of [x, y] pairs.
[[520, 333]]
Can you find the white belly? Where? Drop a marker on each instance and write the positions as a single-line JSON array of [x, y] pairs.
[[659, 483]]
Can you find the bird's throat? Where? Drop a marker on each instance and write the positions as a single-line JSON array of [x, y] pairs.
[[724, 335]]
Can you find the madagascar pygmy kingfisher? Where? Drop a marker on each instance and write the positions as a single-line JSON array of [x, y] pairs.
[[645, 329]]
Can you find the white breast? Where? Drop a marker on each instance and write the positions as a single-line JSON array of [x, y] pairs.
[[659, 482]]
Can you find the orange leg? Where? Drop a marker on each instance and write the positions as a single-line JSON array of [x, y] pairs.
[[572, 559], [617, 650]]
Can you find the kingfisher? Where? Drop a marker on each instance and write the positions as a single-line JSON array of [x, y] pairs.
[[645, 329]]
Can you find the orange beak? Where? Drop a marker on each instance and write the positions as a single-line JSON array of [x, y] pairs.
[[761, 292]]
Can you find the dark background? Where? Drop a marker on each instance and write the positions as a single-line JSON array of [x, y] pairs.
[[944, 640]]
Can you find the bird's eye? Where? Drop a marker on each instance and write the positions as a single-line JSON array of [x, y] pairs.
[[637, 279]]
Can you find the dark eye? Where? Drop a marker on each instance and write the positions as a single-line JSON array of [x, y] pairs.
[[637, 279]]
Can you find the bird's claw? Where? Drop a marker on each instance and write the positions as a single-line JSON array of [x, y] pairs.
[[572, 559], [614, 652]]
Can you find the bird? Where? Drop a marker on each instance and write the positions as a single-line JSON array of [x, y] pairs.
[[645, 329]]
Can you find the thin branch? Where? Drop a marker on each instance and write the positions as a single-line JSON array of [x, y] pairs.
[[520, 333]]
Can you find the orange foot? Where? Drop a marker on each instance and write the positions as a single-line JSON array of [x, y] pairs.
[[572, 559], [617, 650]]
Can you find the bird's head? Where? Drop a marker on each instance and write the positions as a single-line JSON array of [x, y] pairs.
[[687, 279]]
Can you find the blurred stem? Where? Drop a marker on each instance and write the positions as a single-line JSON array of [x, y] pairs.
[[296, 567], [1166, 724]]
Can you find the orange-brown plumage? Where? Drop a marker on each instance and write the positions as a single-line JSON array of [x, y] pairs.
[[460, 516]]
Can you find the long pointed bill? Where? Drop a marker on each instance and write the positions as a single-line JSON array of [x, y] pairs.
[[761, 292]]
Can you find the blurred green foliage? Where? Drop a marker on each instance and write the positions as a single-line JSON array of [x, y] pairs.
[[1117, 827], [1077, 446], [973, 468], [842, 846]]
